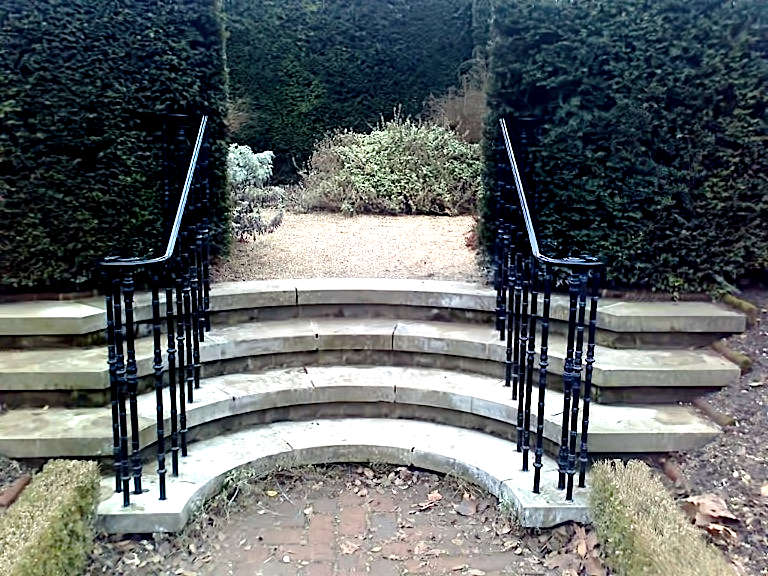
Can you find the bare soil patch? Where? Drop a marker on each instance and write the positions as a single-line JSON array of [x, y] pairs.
[[321, 245]]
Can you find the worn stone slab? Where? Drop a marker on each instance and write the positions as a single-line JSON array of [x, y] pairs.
[[477, 457], [86, 316], [44, 317], [86, 368], [86, 432]]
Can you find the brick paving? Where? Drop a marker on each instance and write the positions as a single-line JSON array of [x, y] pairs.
[[353, 522], [348, 520]]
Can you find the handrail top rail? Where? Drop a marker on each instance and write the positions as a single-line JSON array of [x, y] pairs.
[[576, 262], [117, 261]]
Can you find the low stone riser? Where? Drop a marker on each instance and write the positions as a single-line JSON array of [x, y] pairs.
[[349, 391], [608, 338], [482, 459], [257, 364]]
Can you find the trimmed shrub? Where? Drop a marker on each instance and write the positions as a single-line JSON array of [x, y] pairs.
[[48, 531], [653, 138], [82, 86], [401, 167], [642, 530], [302, 68]]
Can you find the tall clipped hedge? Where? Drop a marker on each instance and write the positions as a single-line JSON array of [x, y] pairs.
[[81, 85], [653, 146], [299, 68]]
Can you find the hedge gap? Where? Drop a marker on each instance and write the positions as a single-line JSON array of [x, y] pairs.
[[653, 145], [81, 83], [301, 68]]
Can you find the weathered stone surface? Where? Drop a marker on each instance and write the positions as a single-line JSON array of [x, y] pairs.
[[86, 369], [53, 317], [82, 432], [475, 456]]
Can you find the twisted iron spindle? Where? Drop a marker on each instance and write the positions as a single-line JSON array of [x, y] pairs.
[[503, 279], [157, 367], [171, 334], [529, 362], [122, 394], [132, 379], [568, 375], [576, 385], [590, 361], [497, 278], [543, 365], [521, 365], [113, 383]]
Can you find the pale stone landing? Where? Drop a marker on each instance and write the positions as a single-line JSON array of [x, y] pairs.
[[87, 432], [86, 368], [86, 316], [485, 460]]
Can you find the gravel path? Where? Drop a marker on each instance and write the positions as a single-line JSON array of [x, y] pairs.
[[331, 245]]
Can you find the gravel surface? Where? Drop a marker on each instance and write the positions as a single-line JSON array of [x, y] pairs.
[[321, 244], [347, 519], [735, 465]]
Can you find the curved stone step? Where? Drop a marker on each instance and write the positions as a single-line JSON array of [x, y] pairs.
[[490, 462], [86, 368], [86, 432], [51, 318]]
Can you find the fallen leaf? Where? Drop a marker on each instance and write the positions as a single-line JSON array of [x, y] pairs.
[[348, 547], [434, 496], [722, 533], [466, 507], [708, 509], [764, 491], [476, 572], [368, 473], [271, 493]]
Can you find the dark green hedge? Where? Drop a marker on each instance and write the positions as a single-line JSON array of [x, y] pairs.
[[80, 82], [299, 68], [653, 149]]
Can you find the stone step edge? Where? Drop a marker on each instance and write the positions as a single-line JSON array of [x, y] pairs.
[[614, 429], [38, 318], [86, 368], [488, 461]]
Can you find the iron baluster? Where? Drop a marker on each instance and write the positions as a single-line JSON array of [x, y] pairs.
[[206, 183], [543, 365], [194, 293], [122, 393], [132, 379], [157, 367], [497, 274], [182, 352], [113, 382], [529, 362], [510, 324], [171, 329], [516, 328], [521, 365], [187, 297], [590, 361], [568, 375], [576, 385]]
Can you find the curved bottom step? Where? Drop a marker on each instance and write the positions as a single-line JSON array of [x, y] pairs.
[[490, 462]]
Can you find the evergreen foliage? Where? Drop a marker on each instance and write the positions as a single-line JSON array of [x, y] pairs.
[[82, 85], [653, 147], [302, 68]]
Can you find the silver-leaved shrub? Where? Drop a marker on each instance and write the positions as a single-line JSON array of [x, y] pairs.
[[402, 166], [248, 172]]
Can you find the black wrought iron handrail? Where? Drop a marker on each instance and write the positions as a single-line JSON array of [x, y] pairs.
[[526, 214], [176, 226], [523, 273], [181, 272]]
